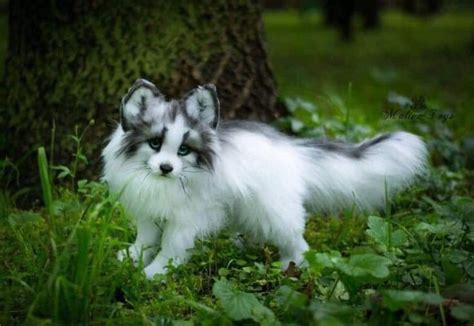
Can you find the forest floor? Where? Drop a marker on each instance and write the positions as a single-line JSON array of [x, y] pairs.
[[413, 263]]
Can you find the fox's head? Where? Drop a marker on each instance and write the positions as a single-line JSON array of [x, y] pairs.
[[170, 137]]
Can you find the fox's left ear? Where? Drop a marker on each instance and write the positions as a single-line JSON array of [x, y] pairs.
[[202, 103]]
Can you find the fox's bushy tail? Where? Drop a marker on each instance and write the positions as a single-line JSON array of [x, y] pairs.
[[340, 175]]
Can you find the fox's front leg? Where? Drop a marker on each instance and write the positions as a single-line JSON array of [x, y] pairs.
[[177, 239], [148, 236]]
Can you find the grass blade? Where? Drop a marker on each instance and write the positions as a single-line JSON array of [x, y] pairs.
[[45, 182]]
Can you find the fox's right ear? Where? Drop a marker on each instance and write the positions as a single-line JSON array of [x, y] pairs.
[[137, 102]]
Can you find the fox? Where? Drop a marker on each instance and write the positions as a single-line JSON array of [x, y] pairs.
[[184, 174]]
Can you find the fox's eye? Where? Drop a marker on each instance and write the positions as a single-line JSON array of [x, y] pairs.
[[155, 143], [184, 150]]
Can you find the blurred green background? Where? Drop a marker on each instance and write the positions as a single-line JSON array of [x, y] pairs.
[[430, 57]]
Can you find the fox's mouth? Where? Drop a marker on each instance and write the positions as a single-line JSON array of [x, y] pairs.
[[160, 175]]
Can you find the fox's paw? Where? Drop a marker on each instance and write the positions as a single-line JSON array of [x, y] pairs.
[[153, 269], [135, 253], [122, 255]]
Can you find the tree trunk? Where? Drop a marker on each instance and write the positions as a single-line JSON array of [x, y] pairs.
[[369, 10], [339, 13], [71, 61]]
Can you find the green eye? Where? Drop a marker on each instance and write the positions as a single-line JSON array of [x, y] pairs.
[[184, 150], [155, 143]]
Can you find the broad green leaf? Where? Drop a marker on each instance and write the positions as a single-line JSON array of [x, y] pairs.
[[395, 299], [424, 227], [463, 312], [239, 305], [295, 103], [366, 265], [380, 232], [453, 273], [327, 313], [286, 297], [318, 261], [469, 268], [296, 125], [457, 256], [444, 228]]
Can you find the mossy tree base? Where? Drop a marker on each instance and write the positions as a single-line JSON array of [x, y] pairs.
[[71, 62]]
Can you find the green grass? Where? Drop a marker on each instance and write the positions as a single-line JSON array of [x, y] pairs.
[[412, 264]]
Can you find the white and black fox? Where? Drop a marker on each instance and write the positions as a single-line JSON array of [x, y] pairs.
[[183, 174]]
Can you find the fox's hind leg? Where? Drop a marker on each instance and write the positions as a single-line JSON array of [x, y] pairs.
[[288, 236], [293, 251], [279, 222], [286, 218]]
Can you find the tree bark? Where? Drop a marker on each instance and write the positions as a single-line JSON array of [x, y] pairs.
[[71, 61]]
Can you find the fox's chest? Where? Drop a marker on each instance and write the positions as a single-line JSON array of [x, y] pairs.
[[144, 198]]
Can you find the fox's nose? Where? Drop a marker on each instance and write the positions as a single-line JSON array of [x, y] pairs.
[[166, 168]]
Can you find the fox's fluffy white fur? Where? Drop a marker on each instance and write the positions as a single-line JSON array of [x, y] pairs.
[[184, 175]]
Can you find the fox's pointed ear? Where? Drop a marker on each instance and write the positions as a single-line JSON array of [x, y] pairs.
[[137, 102], [202, 104]]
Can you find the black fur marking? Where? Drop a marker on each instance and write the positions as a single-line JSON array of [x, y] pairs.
[[139, 134], [123, 122], [140, 125], [163, 133], [142, 104], [201, 105], [215, 99], [189, 94], [349, 150], [174, 109], [185, 136], [375, 141], [130, 142], [142, 83], [190, 121], [206, 153]]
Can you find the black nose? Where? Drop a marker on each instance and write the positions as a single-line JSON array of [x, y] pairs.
[[166, 168]]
